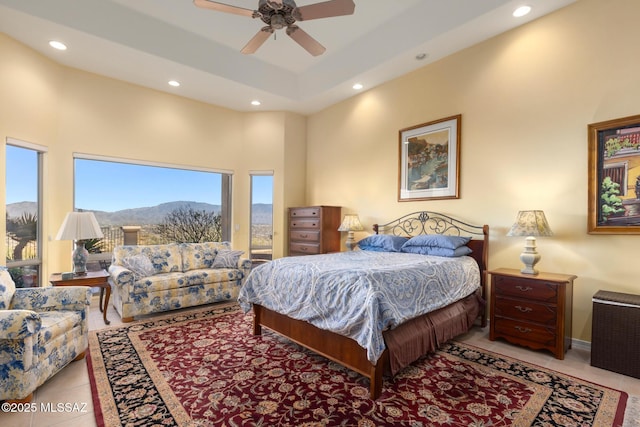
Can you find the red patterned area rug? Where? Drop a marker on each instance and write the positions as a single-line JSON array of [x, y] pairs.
[[205, 368]]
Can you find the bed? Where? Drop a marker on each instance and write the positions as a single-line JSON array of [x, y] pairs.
[[343, 307]]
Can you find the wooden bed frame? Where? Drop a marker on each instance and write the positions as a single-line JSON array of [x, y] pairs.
[[348, 352]]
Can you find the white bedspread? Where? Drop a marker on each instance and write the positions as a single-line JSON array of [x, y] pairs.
[[360, 294]]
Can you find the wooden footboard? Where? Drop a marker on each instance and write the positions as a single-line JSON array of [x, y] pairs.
[[338, 348]]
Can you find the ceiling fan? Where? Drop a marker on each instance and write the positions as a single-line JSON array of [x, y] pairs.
[[278, 14]]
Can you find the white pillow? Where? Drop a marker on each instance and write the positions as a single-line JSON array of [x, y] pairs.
[[226, 259]]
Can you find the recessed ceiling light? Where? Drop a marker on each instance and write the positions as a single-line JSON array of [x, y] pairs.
[[357, 86], [255, 102], [174, 83], [57, 45], [421, 56], [521, 11]]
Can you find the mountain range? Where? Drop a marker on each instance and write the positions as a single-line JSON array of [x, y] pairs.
[[261, 212]]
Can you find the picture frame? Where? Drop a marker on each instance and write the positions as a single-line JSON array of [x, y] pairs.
[[429, 160], [614, 176]]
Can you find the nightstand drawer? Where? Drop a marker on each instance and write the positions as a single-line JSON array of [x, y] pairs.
[[303, 248], [305, 236], [526, 310], [525, 331], [305, 223], [527, 289], [305, 212]]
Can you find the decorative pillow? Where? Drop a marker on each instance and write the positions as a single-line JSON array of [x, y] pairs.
[[7, 288], [382, 243], [139, 265], [438, 251], [227, 259], [437, 240]]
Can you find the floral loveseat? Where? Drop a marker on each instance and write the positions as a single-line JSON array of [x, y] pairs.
[[41, 331], [154, 278]]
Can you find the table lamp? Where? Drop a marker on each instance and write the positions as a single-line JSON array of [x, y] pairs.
[[350, 223], [79, 226], [530, 224]]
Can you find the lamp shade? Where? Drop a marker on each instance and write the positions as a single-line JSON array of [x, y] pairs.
[[79, 226], [530, 223], [351, 222]]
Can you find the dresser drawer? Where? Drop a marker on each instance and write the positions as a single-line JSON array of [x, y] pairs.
[[526, 289], [296, 248], [305, 223], [527, 311], [524, 331], [305, 236], [313, 212]]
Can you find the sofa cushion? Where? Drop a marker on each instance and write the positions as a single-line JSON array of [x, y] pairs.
[[56, 323], [227, 259], [200, 255], [164, 282], [7, 288]]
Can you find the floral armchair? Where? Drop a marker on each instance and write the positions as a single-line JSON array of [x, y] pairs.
[[41, 331]]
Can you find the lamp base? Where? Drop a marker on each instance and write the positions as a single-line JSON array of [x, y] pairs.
[[350, 243], [79, 257], [529, 256]]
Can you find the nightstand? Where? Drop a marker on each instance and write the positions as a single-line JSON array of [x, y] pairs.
[[99, 279], [532, 311]]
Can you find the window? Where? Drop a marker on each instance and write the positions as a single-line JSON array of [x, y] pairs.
[[261, 245], [151, 203], [24, 209]]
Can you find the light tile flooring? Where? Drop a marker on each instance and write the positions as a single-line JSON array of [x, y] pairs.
[[71, 385]]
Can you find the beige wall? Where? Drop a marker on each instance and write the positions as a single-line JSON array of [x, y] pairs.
[[70, 111], [526, 98]]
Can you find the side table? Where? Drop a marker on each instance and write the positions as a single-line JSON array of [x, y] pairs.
[[533, 311], [99, 279]]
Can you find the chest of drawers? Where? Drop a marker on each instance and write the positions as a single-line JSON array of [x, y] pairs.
[[533, 311], [314, 230]]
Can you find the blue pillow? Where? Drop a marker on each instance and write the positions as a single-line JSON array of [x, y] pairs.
[[438, 251], [437, 241], [382, 243]]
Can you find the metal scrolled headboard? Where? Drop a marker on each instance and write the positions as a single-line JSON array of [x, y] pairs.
[[426, 222]]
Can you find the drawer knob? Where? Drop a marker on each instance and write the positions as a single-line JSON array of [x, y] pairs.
[[304, 236], [524, 288], [524, 309], [523, 330], [304, 249]]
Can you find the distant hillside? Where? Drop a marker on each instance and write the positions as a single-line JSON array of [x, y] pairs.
[[262, 213]]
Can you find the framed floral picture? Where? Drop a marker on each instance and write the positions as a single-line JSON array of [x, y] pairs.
[[614, 176], [429, 166]]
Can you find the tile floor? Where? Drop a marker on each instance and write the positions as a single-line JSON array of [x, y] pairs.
[[71, 385]]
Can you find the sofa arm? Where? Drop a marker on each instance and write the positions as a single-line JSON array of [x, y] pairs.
[[18, 324], [121, 276], [71, 298], [244, 264]]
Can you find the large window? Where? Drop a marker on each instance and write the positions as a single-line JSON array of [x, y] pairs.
[[151, 203], [24, 209]]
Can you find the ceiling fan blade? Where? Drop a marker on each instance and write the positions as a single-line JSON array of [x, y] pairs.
[[325, 10], [257, 40], [221, 7], [305, 40]]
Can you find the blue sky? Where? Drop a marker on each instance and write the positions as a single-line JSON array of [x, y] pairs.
[[109, 186]]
